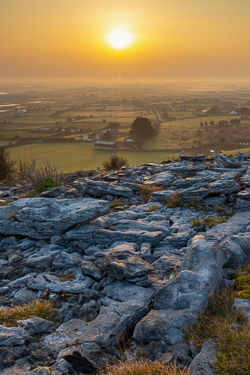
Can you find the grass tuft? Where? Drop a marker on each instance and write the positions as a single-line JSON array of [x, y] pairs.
[[174, 201], [141, 368], [154, 207], [192, 204], [68, 277], [42, 309], [209, 221], [216, 322], [115, 162], [147, 191]]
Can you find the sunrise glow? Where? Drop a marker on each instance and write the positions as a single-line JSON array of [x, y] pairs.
[[120, 39]]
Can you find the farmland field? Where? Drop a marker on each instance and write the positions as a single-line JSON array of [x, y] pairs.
[[72, 112], [75, 157]]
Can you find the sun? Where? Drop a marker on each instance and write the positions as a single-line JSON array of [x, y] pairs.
[[120, 39]]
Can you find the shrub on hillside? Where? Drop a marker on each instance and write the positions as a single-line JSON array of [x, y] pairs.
[[7, 165], [114, 163], [41, 175]]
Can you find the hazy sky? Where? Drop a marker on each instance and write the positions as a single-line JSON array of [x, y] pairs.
[[172, 38]]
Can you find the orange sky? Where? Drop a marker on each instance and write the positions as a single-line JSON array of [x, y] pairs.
[[173, 38]]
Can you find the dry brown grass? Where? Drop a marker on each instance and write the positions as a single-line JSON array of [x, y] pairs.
[[209, 221], [154, 207], [68, 277], [42, 309], [141, 368], [217, 322], [36, 172], [147, 191], [174, 201]]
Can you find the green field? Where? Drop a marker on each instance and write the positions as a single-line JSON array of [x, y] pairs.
[[81, 156]]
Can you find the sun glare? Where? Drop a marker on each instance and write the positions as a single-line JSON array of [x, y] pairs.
[[120, 39]]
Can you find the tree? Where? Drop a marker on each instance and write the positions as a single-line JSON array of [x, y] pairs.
[[141, 128], [211, 123]]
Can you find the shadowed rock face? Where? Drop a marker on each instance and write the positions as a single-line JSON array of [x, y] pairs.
[[140, 271]]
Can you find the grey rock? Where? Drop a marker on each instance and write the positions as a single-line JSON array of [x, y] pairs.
[[122, 265], [164, 179], [138, 236], [25, 295], [21, 367], [100, 188], [154, 349], [166, 325], [36, 325], [89, 269], [224, 162], [242, 305], [204, 361], [239, 249], [7, 357], [106, 330], [43, 218], [123, 291], [54, 284], [166, 264], [66, 260], [13, 336]]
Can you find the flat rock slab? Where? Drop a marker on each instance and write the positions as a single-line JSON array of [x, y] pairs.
[[163, 179], [54, 284], [109, 328], [124, 266], [100, 188], [43, 218], [234, 225]]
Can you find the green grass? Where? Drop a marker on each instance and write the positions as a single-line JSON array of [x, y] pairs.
[[75, 157]]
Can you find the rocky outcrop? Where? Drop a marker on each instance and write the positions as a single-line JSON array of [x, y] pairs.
[[141, 270]]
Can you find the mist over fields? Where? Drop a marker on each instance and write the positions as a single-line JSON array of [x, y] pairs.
[[62, 119]]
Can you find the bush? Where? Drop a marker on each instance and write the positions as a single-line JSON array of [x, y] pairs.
[[7, 165], [114, 163], [41, 176]]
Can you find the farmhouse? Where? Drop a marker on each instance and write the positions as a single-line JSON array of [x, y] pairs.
[[105, 145]]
